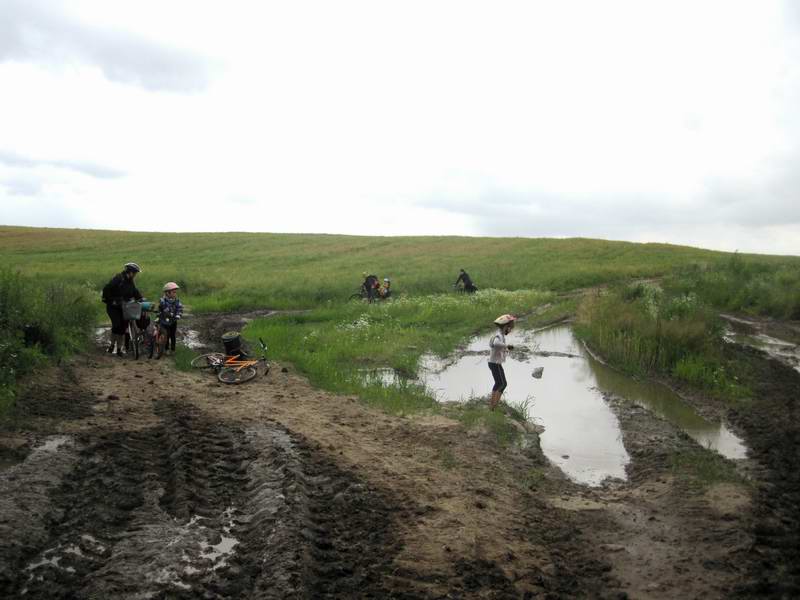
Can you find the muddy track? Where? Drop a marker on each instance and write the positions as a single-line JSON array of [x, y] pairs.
[[773, 430], [192, 509], [129, 479]]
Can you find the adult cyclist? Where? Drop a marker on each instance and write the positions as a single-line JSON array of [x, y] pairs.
[[370, 286], [464, 278], [120, 289]]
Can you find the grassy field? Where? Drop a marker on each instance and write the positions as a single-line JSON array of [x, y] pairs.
[[341, 347], [673, 327], [671, 330], [226, 271]]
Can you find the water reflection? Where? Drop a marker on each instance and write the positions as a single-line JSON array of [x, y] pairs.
[[582, 434], [662, 401]]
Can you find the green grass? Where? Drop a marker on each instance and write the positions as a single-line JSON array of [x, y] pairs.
[[654, 330], [704, 468], [337, 342], [339, 346], [476, 414], [228, 271], [40, 322], [183, 358], [741, 285]]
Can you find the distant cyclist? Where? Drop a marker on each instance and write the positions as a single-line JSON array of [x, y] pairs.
[[370, 285], [463, 277], [385, 290], [120, 289]]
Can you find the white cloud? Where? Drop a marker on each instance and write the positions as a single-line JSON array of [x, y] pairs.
[[520, 118]]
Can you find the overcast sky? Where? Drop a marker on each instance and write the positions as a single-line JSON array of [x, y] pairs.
[[658, 121]]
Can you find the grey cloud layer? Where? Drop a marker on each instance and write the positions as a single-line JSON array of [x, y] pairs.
[[774, 201], [37, 31], [11, 159]]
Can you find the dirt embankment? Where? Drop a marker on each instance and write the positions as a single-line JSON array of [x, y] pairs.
[[130, 480]]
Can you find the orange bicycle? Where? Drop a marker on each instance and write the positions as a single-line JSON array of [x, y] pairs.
[[232, 369]]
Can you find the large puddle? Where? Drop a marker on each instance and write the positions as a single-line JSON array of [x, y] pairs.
[[582, 434]]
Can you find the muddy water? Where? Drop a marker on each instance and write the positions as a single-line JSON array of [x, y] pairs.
[[582, 435], [749, 333], [190, 508]]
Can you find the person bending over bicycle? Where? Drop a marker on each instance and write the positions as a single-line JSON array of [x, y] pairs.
[[170, 310], [370, 286], [463, 277], [120, 289]]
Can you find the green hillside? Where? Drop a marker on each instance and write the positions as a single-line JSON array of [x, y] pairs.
[[221, 271]]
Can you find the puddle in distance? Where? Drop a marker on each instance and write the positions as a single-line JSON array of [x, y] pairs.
[[781, 350], [582, 434]]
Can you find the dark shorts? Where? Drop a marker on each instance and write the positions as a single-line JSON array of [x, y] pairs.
[[499, 375]]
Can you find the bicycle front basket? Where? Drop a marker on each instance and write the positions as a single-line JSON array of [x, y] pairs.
[[131, 311]]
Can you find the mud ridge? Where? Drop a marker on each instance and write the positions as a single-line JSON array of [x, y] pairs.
[[772, 426], [192, 508]]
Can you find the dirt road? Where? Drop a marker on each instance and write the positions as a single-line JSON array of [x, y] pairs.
[[125, 479]]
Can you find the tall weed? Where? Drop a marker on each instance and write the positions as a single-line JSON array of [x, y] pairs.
[[39, 321], [656, 331]]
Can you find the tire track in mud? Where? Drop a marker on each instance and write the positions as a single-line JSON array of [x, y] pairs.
[[195, 508], [772, 425]]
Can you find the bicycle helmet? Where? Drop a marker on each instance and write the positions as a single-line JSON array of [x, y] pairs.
[[386, 279], [132, 267], [505, 319], [171, 285]]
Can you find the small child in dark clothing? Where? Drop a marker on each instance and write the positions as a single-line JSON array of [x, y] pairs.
[[170, 310]]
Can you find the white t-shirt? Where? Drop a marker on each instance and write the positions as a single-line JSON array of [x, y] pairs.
[[498, 347]]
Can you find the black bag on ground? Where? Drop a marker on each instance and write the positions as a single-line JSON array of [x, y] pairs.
[[233, 343]]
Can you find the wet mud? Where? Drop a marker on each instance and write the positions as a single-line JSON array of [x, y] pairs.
[[191, 509], [125, 479], [772, 428]]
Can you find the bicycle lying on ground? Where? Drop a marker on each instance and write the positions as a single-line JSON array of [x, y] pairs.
[[233, 369]]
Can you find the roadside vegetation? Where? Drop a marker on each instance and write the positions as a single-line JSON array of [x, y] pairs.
[[738, 284], [673, 327], [40, 323]]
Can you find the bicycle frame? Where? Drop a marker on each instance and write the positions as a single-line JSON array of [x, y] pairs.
[[235, 369], [234, 362], [237, 363]]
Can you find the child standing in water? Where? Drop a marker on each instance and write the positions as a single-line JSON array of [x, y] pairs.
[[499, 349], [170, 311]]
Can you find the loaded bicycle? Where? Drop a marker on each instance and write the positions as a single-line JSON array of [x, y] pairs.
[[135, 313], [235, 368], [383, 292]]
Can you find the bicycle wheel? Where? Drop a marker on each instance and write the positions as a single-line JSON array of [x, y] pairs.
[[135, 340], [354, 297], [205, 361], [233, 375]]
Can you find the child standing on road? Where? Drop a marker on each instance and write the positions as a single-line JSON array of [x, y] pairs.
[[499, 349], [170, 310]]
